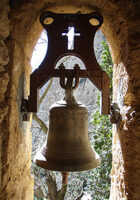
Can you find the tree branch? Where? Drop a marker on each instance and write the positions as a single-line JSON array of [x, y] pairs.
[[82, 191], [40, 122], [62, 192], [42, 184], [46, 91], [52, 186]]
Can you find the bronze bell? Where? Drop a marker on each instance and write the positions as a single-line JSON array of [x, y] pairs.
[[67, 147]]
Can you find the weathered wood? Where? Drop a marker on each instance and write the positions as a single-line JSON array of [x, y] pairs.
[[105, 109], [83, 48]]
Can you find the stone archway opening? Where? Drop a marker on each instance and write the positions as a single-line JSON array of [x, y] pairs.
[[55, 94], [35, 37], [108, 30]]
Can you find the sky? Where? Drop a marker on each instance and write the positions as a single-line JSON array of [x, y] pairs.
[[39, 51]]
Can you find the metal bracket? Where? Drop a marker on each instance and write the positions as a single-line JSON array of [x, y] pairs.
[[115, 116], [70, 77], [55, 24], [24, 110]]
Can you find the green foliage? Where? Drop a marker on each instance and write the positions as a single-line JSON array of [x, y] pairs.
[[98, 180], [106, 62]]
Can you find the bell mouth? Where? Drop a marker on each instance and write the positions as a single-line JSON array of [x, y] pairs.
[[67, 164]]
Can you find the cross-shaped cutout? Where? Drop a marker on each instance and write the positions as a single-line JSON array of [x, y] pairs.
[[71, 34]]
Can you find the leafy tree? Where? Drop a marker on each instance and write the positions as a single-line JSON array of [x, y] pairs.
[[106, 63], [99, 178]]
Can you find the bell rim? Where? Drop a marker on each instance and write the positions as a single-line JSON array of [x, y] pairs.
[[45, 163]]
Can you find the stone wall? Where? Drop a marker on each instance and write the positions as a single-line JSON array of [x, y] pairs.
[[4, 77], [126, 134], [15, 139], [121, 28]]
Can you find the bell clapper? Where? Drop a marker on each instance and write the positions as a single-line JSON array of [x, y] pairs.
[[65, 176]]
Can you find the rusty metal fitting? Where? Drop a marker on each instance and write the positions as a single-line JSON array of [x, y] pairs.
[[115, 116], [65, 176], [69, 82], [24, 110]]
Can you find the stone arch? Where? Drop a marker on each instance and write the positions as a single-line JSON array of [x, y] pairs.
[[122, 34]]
